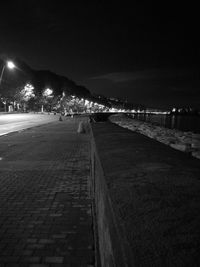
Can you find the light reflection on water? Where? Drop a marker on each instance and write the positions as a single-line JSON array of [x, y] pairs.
[[180, 122]]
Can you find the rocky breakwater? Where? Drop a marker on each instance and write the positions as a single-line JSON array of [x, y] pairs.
[[188, 142]]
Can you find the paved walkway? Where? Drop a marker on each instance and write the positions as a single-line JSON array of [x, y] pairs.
[[155, 191], [45, 202]]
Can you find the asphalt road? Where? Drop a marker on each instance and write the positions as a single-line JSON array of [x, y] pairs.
[[17, 122]]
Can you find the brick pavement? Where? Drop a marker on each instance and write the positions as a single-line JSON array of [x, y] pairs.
[[45, 203]]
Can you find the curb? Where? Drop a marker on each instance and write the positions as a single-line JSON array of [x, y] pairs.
[[113, 247]]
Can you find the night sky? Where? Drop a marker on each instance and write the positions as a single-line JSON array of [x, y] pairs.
[[145, 53]]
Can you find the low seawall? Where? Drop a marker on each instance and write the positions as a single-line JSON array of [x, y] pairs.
[[147, 200], [112, 246]]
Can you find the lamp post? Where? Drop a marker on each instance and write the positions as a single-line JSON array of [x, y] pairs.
[[9, 65]]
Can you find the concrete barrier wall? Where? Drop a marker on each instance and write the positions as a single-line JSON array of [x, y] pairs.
[[112, 248]]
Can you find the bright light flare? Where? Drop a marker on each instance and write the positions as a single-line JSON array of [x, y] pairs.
[[10, 65], [28, 91], [48, 92]]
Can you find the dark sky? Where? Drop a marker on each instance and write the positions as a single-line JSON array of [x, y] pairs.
[[145, 53]]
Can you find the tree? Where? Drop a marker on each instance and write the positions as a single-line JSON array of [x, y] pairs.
[[24, 95], [47, 99]]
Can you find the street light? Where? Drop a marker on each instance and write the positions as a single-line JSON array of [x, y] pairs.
[[9, 65]]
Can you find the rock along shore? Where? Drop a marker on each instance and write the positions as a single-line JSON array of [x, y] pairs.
[[184, 141]]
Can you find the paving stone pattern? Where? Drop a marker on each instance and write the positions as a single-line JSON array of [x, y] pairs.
[[45, 203]]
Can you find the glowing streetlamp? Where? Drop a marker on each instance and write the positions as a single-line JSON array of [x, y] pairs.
[[9, 65], [47, 94]]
